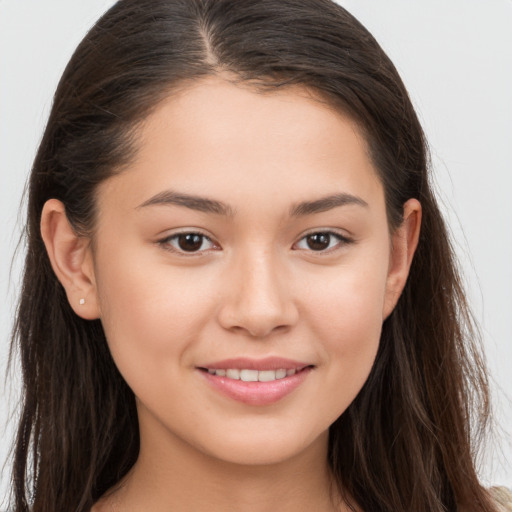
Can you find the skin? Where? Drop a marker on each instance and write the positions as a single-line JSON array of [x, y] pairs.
[[255, 288]]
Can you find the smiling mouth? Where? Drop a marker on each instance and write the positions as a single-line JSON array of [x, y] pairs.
[[251, 375], [256, 382]]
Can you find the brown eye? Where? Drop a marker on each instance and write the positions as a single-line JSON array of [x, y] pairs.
[[318, 241], [182, 243], [323, 241], [190, 242]]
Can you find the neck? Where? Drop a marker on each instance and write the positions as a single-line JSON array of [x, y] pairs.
[[171, 475]]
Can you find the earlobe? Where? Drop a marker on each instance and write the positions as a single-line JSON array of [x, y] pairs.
[[404, 244], [71, 259]]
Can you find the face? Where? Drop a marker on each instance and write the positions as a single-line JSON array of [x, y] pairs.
[[242, 268]]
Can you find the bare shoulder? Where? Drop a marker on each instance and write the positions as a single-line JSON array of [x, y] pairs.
[[503, 498], [103, 505], [98, 507]]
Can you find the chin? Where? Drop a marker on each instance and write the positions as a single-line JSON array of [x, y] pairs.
[[263, 448]]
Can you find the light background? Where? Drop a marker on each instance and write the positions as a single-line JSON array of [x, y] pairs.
[[456, 61]]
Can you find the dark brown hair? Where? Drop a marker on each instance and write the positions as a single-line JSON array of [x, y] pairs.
[[407, 442]]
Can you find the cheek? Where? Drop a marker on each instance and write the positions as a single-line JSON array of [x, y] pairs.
[[350, 327], [348, 306], [346, 317], [146, 312]]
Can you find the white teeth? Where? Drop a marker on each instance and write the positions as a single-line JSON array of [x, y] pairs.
[[280, 374], [267, 375], [233, 373], [249, 375], [253, 375]]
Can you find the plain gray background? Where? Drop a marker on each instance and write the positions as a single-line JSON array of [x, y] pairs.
[[456, 60]]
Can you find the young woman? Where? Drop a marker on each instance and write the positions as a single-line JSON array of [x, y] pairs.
[[239, 293]]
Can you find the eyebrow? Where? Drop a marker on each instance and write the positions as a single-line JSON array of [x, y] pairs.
[[326, 203], [202, 204], [207, 205]]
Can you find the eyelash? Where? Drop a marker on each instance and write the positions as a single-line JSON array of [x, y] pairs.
[[165, 242]]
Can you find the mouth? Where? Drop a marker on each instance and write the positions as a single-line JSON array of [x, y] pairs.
[[253, 375], [255, 382]]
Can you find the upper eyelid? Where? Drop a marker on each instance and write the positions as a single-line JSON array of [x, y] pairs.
[[303, 235], [329, 231], [189, 232]]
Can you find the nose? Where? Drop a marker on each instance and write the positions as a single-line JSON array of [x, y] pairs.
[[257, 297]]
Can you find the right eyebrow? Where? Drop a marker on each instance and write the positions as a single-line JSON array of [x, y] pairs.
[[202, 204]]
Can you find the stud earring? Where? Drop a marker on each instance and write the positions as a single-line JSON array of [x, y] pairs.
[[82, 302]]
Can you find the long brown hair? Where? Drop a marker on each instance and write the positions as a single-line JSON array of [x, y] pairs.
[[407, 442]]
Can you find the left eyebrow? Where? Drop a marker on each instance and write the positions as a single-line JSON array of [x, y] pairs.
[[325, 203]]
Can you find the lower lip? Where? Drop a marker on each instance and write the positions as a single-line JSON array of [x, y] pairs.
[[257, 393]]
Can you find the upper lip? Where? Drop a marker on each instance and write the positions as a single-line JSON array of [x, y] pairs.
[[267, 363]]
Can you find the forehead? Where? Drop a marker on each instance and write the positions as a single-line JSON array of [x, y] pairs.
[[216, 110], [216, 138]]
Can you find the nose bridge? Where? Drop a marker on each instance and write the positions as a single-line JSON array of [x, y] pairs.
[[259, 298], [259, 282]]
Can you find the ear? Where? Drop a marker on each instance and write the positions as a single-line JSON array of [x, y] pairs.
[[71, 259], [403, 246]]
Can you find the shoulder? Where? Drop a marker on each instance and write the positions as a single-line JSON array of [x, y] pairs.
[[503, 498]]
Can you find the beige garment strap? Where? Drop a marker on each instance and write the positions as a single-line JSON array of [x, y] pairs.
[[503, 498]]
